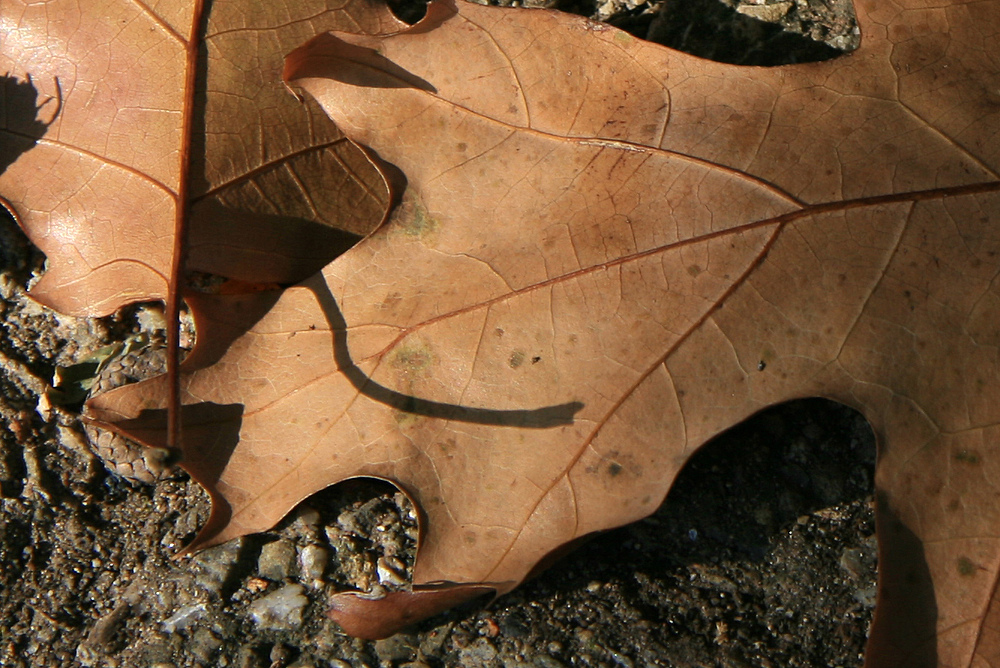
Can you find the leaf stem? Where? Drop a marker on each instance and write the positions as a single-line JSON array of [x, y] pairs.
[[182, 211]]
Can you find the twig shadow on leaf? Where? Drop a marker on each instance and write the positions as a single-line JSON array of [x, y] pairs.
[[537, 418]]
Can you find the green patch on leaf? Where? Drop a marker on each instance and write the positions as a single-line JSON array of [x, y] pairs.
[[967, 457]]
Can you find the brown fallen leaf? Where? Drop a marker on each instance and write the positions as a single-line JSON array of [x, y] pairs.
[[579, 290], [150, 120]]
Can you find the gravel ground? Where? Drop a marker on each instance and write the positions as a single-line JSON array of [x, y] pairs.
[[763, 555]]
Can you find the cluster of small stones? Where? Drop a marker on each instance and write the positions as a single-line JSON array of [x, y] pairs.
[[272, 587]]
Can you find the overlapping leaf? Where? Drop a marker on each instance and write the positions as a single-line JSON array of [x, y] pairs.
[[146, 113]]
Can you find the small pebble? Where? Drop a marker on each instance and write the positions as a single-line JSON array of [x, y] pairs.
[[183, 618], [770, 13], [281, 609], [249, 658], [401, 647], [391, 571], [214, 565], [866, 596], [480, 652], [204, 644], [347, 521], [256, 585], [280, 655], [277, 559], [309, 519], [850, 561], [490, 628], [621, 659], [312, 563]]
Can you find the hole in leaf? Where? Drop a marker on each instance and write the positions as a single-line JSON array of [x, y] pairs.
[[366, 528], [739, 32], [18, 256], [743, 33]]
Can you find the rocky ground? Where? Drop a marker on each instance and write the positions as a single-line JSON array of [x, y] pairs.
[[763, 555]]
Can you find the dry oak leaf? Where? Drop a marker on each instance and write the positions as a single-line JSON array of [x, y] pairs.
[[601, 241], [153, 117]]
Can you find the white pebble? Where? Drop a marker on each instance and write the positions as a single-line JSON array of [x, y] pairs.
[[281, 609]]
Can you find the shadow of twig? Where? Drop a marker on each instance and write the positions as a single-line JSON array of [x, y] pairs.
[[536, 418]]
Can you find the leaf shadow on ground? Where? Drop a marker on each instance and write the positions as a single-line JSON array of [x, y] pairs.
[[764, 549]]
